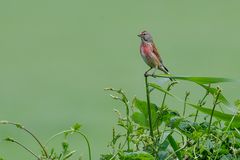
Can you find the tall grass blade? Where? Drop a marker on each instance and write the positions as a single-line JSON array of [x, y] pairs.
[[199, 80], [219, 115], [159, 88], [175, 147]]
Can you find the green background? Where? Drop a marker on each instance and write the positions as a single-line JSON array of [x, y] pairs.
[[56, 56]]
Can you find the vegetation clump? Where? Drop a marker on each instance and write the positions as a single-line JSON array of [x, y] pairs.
[[157, 132], [150, 131]]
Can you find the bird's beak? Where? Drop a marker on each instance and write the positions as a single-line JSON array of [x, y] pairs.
[[139, 35]]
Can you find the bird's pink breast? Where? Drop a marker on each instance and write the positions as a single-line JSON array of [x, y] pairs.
[[148, 56], [146, 48]]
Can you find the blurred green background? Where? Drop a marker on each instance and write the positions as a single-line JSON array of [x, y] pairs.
[[56, 56]]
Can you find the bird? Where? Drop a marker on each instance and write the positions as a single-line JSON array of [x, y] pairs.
[[150, 53]]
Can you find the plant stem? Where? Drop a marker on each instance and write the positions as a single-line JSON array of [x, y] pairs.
[[26, 130], [21, 145], [201, 103], [159, 114], [149, 108], [214, 106], [163, 101], [119, 150], [113, 143], [165, 94], [125, 101], [54, 136], [161, 108], [73, 131], [185, 103], [88, 144], [128, 126]]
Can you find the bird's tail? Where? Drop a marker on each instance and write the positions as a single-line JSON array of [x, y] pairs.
[[165, 70]]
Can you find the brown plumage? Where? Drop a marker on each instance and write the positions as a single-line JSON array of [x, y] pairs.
[[150, 53]]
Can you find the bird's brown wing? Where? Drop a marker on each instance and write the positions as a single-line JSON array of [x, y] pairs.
[[155, 51]]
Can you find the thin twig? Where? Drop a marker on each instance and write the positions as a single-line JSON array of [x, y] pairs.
[[149, 107], [62, 132], [201, 102], [214, 105], [125, 101], [185, 103], [128, 126], [21, 145], [73, 131], [88, 144], [112, 158], [178, 150], [29, 132]]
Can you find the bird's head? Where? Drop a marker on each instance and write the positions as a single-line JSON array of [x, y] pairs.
[[145, 36]]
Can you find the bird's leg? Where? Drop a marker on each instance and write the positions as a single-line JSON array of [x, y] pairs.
[[153, 74], [146, 73]]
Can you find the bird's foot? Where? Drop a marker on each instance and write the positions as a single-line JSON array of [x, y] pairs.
[[145, 74], [150, 75], [153, 75]]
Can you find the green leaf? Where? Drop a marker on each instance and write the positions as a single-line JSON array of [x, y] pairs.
[[106, 157], [237, 103], [69, 155], [9, 139], [163, 90], [140, 155], [65, 146], [19, 126], [163, 149], [208, 144], [175, 147], [213, 91], [187, 127], [199, 80], [219, 115], [163, 154], [142, 118], [164, 136], [160, 89], [4, 122], [76, 127]]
